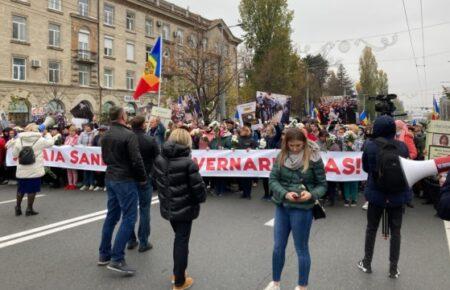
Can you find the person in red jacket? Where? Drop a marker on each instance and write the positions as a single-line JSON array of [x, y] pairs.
[[403, 135]]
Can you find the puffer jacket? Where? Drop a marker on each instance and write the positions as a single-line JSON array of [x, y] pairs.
[[283, 180], [384, 127], [180, 187], [35, 170]]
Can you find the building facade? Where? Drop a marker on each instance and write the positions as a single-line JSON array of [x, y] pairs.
[[56, 54]]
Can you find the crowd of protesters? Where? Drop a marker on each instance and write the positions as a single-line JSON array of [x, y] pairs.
[[225, 135]]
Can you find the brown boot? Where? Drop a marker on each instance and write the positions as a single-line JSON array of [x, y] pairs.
[[187, 284]]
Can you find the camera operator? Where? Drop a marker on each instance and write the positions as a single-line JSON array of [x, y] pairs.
[[381, 200]]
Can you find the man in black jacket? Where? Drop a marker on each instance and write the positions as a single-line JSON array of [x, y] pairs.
[[125, 172], [149, 150]]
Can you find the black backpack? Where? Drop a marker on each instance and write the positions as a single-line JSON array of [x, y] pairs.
[[26, 154], [389, 177]]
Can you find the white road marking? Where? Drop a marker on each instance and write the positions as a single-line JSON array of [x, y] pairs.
[[35, 233], [25, 198], [447, 231], [270, 223]]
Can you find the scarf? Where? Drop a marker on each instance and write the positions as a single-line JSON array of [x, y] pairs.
[[294, 161]]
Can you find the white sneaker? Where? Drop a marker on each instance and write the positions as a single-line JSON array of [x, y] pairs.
[[104, 189], [91, 188], [365, 206], [83, 188], [98, 188], [272, 286], [12, 182]]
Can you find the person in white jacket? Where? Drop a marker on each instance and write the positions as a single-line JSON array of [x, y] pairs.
[[29, 176]]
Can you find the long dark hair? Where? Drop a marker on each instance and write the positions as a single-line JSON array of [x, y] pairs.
[[295, 134]]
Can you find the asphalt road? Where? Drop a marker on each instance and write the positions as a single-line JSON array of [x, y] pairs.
[[230, 248]]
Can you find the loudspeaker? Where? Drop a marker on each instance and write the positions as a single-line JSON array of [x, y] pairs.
[[417, 170]]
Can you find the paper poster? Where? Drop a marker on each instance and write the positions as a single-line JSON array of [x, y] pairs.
[[272, 107]]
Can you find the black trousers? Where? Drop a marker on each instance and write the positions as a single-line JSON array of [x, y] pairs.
[[395, 217], [181, 249]]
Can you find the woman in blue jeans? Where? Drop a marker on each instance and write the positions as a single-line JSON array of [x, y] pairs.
[[297, 181]]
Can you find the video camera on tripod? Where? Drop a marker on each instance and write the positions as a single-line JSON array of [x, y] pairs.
[[385, 106]]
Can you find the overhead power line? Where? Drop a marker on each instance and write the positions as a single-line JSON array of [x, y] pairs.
[[411, 43]]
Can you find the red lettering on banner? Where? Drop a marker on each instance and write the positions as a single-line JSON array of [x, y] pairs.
[[74, 157], [84, 159], [332, 166], [202, 161], [358, 165], [59, 157], [348, 165], [44, 154], [264, 164], [95, 159], [235, 164], [210, 164], [222, 164], [249, 164]]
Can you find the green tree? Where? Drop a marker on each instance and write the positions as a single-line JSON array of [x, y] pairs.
[[368, 70], [333, 86], [346, 84], [382, 83], [265, 23]]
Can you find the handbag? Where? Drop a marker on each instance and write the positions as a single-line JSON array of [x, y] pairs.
[[318, 211]]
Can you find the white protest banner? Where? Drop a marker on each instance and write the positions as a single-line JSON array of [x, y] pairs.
[[339, 166]]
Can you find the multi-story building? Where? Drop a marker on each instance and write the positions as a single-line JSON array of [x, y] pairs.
[[56, 54]]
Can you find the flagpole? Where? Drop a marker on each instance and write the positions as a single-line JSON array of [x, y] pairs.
[[161, 74]]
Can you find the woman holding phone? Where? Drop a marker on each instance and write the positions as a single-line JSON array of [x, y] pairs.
[[297, 181]]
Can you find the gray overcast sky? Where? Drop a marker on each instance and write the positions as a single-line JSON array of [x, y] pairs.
[[319, 21]]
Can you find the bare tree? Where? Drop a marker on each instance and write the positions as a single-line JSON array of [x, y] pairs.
[[209, 72]]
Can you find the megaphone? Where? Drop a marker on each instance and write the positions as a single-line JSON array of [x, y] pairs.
[[48, 122], [417, 170]]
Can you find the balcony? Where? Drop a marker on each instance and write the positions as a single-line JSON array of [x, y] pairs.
[[86, 56]]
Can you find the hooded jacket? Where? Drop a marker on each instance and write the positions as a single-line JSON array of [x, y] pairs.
[[384, 126], [180, 187], [35, 170]]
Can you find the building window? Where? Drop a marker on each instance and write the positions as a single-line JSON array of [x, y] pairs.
[[130, 20], [148, 51], [108, 14], [83, 7], [83, 44], [108, 78], [83, 75], [148, 27], [166, 31], [130, 51], [54, 69], [19, 68], [54, 4], [193, 41], [180, 36], [54, 35], [19, 28], [130, 80], [109, 44]]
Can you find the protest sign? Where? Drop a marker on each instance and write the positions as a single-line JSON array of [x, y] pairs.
[[272, 107], [247, 114], [438, 135], [339, 166], [163, 114]]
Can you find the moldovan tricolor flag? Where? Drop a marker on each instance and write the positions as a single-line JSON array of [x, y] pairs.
[[150, 80]]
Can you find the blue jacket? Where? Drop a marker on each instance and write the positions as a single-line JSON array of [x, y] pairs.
[[384, 127], [274, 142]]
